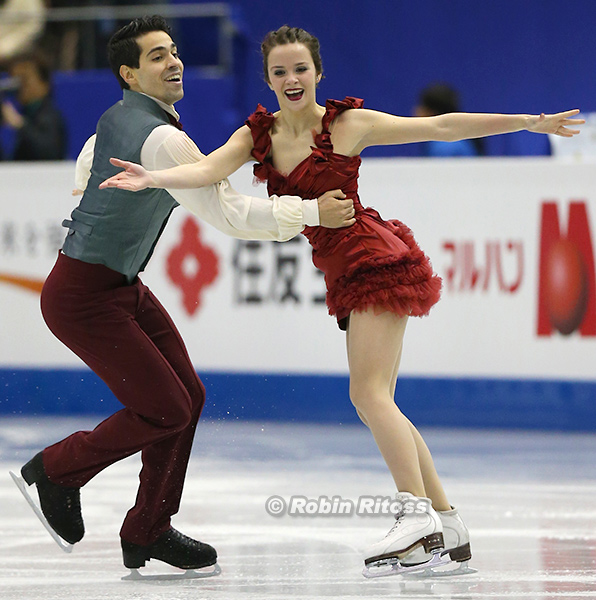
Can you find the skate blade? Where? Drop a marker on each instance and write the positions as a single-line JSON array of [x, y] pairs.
[[378, 569], [135, 575], [22, 485], [437, 571]]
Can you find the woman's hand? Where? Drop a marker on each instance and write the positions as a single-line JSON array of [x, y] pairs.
[[556, 124], [134, 178]]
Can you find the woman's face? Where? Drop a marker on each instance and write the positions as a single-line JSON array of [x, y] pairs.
[[292, 76]]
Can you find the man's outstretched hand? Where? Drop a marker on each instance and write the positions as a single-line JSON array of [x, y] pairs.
[[134, 178], [335, 210]]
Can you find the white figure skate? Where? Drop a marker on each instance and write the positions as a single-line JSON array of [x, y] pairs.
[[417, 525], [457, 550]]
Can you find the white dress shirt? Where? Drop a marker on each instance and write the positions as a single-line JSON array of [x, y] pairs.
[[247, 217]]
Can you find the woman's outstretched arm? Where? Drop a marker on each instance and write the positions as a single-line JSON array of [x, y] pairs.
[[373, 128], [213, 168]]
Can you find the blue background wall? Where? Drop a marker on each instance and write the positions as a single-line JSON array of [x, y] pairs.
[[506, 56]]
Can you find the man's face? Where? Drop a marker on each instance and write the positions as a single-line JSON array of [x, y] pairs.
[[160, 68]]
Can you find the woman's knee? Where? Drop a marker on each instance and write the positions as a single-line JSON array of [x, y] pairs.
[[362, 417], [368, 400]]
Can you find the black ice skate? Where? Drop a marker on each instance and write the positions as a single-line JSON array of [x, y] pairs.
[[173, 548], [60, 507]]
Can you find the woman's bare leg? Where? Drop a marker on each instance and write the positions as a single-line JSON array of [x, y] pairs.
[[374, 345], [431, 482]]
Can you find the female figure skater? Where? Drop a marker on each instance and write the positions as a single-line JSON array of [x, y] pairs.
[[376, 275]]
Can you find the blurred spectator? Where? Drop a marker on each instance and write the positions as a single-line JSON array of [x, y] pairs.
[[438, 99], [40, 132], [7, 85], [60, 40], [17, 36], [81, 43]]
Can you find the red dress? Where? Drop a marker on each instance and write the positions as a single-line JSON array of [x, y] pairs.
[[372, 263]]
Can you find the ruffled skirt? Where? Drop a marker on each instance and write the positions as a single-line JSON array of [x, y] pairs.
[[374, 264]]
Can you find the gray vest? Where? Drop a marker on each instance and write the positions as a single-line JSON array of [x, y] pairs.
[[112, 227]]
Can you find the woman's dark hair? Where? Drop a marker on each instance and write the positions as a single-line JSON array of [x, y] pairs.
[[291, 35], [123, 48]]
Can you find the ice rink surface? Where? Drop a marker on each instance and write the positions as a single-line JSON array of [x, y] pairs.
[[528, 498]]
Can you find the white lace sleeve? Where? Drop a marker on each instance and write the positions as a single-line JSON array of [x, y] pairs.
[[237, 215], [84, 162]]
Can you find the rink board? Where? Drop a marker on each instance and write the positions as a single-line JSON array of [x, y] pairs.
[[256, 327], [442, 402]]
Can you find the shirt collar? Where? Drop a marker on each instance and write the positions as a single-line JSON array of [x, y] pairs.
[[169, 109]]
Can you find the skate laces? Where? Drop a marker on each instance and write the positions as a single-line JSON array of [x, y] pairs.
[[407, 506], [398, 519]]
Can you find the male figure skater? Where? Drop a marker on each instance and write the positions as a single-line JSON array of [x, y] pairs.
[[94, 302]]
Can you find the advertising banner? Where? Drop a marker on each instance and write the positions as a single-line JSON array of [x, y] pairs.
[[513, 240]]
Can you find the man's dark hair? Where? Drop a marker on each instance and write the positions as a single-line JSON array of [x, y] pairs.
[[123, 48]]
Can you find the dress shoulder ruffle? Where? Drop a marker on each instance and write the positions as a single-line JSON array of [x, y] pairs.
[[259, 123], [335, 107]]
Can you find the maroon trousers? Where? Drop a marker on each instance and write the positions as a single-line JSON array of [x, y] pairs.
[[124, 335]]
